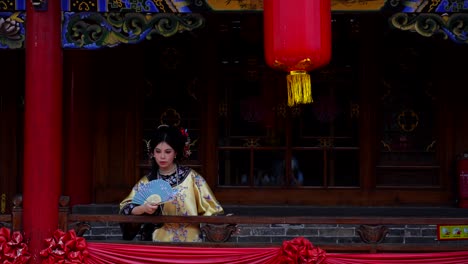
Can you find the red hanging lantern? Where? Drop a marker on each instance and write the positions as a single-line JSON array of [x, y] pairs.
[[297, 40]]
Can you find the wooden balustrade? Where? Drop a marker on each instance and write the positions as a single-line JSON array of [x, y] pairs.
[[15, 219], [218, 229], [4, 218]]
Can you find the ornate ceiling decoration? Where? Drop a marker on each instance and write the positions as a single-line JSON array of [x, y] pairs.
[[12, 30], [453, 26], [96, 30], [92, 24]]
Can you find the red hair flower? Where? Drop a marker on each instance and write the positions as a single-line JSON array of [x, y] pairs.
[[188, 144]]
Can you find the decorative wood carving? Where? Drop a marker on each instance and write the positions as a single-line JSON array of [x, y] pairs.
[[92, 26], [17, 213], [453, 27], [372, 234], [12, 30], [64, 201], [96, 30], [18, 201], [219, 232], [80, 228]]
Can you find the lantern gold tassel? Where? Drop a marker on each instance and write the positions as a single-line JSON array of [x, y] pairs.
[[299, 88]]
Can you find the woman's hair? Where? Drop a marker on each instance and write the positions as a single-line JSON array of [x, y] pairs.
[[172, 136]]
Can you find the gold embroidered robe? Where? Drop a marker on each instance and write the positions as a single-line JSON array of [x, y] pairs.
[[193, 197]]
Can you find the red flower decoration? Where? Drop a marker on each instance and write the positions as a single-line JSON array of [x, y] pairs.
[[184, 132], [64, 247], [299, 250], [187, 151], [12, 248]]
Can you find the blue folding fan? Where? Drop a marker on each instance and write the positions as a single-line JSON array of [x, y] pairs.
[[156, 191]]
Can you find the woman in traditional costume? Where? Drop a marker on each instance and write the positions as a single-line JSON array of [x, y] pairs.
[[193, 196]]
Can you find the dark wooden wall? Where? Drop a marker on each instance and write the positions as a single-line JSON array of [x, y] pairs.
[[11, 126], [117, 81]]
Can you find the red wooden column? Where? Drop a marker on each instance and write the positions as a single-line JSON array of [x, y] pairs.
[[42, 125]]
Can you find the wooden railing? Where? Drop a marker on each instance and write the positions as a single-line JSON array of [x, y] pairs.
[[15, 219], [218, 229]]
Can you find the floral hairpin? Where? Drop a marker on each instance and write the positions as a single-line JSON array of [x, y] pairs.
[[188, 142], [187, 151], [148, 148], [187, 145]]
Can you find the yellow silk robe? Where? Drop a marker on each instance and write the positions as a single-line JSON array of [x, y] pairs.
[[193, 197]]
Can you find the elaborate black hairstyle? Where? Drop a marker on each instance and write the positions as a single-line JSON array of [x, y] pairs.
[[172, 136]]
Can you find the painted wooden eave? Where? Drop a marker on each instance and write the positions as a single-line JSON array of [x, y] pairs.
[[192, 6], [94, 24]]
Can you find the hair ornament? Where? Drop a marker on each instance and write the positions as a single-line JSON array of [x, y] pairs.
[[187, 151], [188, 142], [148, 148], [183, 132]]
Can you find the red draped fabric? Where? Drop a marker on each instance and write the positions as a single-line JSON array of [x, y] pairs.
[[396, 258], [106, 253], [67, 248]]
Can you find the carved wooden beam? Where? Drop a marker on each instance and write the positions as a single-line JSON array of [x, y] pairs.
[[93, 24], [96, 30], [194, 6], [448, 26], [12, 30]]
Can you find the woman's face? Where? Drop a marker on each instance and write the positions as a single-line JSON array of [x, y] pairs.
[[164, 155]]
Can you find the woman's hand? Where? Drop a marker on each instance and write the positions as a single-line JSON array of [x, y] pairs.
[[148, 208]]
